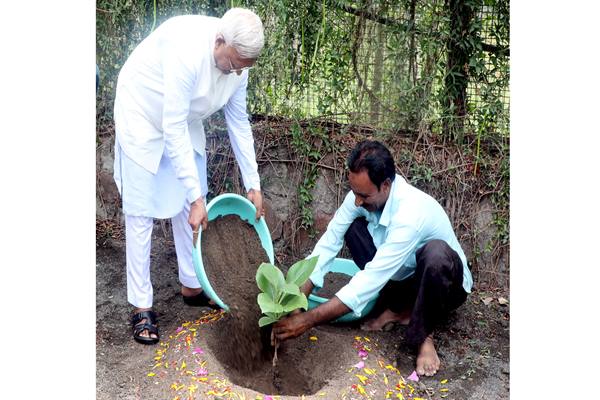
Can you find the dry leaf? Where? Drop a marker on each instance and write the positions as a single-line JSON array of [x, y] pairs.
[[502, 301], [487, 300]]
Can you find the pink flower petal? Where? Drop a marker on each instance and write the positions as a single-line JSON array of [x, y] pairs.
[[179, 329], [360, 365], [362, 353], [413, 376], [268, 398], [201, 372], [197, 350]]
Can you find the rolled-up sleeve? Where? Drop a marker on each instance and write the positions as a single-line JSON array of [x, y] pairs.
[[240, 135], [179, 80], [400, 243]]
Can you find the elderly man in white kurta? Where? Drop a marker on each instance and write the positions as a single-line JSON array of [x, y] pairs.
[[188, 68]]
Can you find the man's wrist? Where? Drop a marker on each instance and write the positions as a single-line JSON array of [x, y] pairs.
[[309, 320], [198, 201]]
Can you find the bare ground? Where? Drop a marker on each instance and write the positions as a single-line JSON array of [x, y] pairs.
[[473, 347]]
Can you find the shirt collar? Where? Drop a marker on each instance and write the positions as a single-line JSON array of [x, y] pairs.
[[386, 214]]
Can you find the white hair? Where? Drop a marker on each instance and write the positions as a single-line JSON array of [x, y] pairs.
[[243, 30]]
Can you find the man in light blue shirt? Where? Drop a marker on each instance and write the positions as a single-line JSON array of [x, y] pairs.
[[404, 244]]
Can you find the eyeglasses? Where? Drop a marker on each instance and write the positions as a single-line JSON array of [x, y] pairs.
[[236, 70]]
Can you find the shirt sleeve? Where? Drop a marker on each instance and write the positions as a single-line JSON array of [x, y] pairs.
[[179, 81], [240, 135], [333, 239], [390, 257]]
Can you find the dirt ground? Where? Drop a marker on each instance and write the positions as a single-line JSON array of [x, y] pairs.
[[333, 361]]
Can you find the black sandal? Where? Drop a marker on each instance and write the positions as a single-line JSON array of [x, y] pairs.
[[200, 300], [151, 325]]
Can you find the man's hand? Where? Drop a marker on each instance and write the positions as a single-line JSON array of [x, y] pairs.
[[197, 217], [292, 326], [255, 196], [295, 325]]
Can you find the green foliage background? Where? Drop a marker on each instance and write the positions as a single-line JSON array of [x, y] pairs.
[[378, 63], [364, 67]]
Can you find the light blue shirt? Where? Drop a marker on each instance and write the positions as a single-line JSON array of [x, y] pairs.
[[410, 219]]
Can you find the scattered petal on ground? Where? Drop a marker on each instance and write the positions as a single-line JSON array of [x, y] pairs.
[[413, 376], [360, 365]]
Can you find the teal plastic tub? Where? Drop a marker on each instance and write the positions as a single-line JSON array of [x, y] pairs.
[[348, 267], [227, 204]]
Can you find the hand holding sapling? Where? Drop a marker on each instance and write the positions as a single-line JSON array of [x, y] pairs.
[[280, 296]]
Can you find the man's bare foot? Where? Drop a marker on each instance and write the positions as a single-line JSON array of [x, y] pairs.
[[428, 361], [145, 332], [386, 319]]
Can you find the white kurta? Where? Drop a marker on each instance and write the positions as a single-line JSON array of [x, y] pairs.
[[168, 85]]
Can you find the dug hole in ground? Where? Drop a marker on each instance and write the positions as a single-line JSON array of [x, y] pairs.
[[206, 354]]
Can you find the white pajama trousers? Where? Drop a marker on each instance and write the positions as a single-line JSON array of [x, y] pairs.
[[138, 231], [147, 196]]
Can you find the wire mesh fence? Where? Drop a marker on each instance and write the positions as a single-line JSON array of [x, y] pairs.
[[382, 63]]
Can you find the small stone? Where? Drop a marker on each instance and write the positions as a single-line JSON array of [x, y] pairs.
[[505, 371]]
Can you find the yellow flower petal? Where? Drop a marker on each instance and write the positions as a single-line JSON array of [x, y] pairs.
[[369, 371], [313, 338], [361, 390], [151, 374], [444, 381]]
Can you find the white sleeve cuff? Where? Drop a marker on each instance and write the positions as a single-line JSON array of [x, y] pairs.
[[193, 195]]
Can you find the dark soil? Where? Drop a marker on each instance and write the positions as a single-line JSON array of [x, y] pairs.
[[332, 283], [231, 253]]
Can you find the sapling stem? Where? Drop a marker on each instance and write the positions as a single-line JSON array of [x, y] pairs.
[[275, 344], [275, 354]]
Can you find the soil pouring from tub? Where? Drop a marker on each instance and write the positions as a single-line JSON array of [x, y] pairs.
[[231, 253]]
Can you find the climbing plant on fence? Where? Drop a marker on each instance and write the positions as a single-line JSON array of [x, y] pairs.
[[390, 64], [390, 67]]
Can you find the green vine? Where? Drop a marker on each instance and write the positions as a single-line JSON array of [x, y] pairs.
[[304, 141]]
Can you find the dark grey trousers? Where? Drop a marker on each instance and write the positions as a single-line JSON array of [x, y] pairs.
[[432, 291]]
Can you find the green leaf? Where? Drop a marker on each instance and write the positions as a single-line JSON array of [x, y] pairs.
[[266, 321], [290, 288], [269, 279], [263, 283], [273, 315], [300, 271], [267, 304], [294, 302]]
